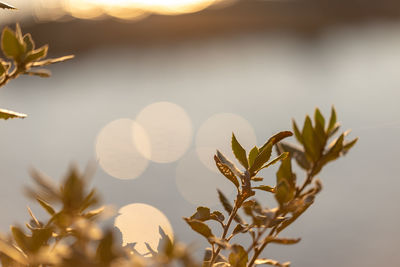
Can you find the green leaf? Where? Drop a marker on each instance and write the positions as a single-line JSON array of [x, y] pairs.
[[261, 159], [202, 214], [46, 206], [285, 173], [29, 43], [265, 188], [6, 6], [200, 227], [332, 120], [320, 128], [318, 118], [11, 45], [311, 143], [284, 193], [8, 114], [226, 171], [37, 54], [252, 155], [349, 145], [297, 133], [239, 152], [238, 256]]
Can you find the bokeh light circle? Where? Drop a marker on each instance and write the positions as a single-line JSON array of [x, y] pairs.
[[169, 130], [140, 223], [197, 184], [216, 133], [116, 153]]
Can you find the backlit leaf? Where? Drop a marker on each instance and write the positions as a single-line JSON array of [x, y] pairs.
[[226, 171], [261, 158], [46, 206], [8, 114], [239, 152], [285, 241], [238, 256], [30, 44], [265, 188], [332, 120], [252, 155], [202, 214], [6, 6], [310, 140], [36, 54], [297, 133], [283, 192], [200, 227], [10, 44]]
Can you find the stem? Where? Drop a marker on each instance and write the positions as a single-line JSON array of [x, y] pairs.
[[238, 203], [265, 242]]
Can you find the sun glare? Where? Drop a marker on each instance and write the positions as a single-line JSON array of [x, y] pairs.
[[133, 9]]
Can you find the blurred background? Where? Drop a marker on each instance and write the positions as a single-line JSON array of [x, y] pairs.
[[158, 85]]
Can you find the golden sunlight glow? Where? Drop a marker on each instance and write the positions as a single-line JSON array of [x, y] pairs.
[[117, 154], [169, 131], [140, 223], [134, 9]]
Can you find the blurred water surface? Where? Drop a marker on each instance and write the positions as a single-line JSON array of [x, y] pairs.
[[267, 80]]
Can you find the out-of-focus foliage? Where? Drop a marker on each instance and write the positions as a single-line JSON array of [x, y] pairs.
[[72, 236], [22, 58], [262, 224]]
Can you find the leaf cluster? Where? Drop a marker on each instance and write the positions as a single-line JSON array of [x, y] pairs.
[[263, 224], [22, 58]]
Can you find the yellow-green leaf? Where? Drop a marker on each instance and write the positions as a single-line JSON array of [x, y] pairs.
[[265, 188], [238, 256], [37, 54], [239, 152], [199, 227], [11, 46], [252, 155], [30, 44], [332, 120]]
